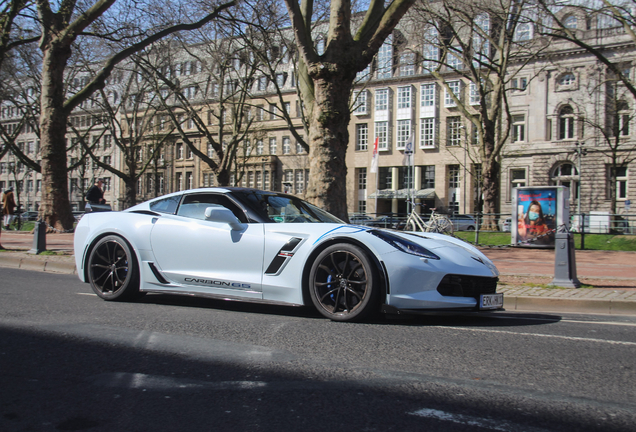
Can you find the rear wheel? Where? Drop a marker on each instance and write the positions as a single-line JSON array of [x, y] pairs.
[[112, 269], [343, 284]]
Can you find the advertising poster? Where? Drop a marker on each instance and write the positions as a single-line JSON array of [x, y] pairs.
[[536, 216]]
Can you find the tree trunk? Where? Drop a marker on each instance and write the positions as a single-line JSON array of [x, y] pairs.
[[328, 139], [55, 205], [491, 194], [130, 195]]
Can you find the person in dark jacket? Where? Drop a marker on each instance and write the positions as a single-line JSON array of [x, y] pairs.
[[95, 194], [8, 207]]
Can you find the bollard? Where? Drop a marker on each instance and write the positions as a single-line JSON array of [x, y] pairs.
[[564, 260], [39, 238]]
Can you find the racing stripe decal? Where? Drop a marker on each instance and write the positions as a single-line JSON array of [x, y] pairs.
[[283, 255]]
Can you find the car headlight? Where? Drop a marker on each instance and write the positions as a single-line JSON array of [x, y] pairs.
[[404, 245]]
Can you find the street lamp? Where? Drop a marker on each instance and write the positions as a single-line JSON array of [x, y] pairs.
[[579, 151]]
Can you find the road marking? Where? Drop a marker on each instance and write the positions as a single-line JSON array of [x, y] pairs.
[[497, 425], [558, 320], [574, 338], [88, 294]]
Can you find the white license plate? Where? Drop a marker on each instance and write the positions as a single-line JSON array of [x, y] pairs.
[[490, 301]]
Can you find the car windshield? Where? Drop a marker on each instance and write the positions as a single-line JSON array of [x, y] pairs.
[[284, 208]]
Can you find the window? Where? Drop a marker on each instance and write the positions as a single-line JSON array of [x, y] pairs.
[[428, 95], [620, 185], [566, 123], [382, 99], [179, 181], [300, 181], [362, 179], [280, 79], [454, 128], [566, 175], [288, 181], [189, 154], [385, 59], [475, 97], [107, 184], [566, 80], [189, 180], [404, 97], [519, 84], [523, 32], [454, 61], [427, 133], [518, 128], [454, 88], [621, 119], [453, 183], [385, 178], [517, 179], [272, 146], [364, 75], [259, 147], [266, 180], [403, 134], [260, 113], [428, 177], [107, 141], [259, 180], [273, 111], [362, 137], [286, 145], [382, 134], [179, 152], [299, 148], [570, 22], [407, 64], [430, 51], [360, 106]]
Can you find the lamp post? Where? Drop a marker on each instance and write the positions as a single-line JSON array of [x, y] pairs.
[[464, 177], [579, 151]]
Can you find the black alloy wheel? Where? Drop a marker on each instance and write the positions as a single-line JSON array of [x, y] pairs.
[[112, 269], [343, 284]]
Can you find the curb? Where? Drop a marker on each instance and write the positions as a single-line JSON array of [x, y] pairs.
[[596, 306], [37, 265]]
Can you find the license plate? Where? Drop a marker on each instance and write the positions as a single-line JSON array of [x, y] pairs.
[[490, 301]]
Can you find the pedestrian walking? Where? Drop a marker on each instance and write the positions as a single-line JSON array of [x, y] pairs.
[[95, 194], [8, 208]]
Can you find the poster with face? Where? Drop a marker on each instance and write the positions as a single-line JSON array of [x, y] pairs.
[[536, 216]]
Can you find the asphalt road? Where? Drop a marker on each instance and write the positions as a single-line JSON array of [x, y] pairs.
[[70, 361]]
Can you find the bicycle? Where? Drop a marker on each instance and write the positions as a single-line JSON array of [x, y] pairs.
[[16, 223], [437, 222]]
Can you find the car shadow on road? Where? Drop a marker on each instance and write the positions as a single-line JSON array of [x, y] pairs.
[[488, 319]]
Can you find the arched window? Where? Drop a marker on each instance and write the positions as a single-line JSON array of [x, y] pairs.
[[566, 123], [566, 174], [570, 22]]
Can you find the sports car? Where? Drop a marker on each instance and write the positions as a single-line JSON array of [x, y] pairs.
[[252, 245]]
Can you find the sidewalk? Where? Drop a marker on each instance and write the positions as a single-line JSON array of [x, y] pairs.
[[608, 277]]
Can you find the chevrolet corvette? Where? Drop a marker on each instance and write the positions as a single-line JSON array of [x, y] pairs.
[[251, 245]]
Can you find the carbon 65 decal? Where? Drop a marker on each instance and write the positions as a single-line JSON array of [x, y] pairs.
[[283, 255], [217, 283]]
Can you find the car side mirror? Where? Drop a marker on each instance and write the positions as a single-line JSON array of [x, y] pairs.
[[223, 215]]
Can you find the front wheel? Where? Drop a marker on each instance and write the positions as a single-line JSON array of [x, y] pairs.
[[112, 269], [343, 284]]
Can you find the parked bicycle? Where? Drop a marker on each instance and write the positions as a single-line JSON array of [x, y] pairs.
[[437, 222]]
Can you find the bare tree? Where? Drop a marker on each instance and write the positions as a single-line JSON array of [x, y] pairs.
[[488, 44], [325, 77], [60, 26]]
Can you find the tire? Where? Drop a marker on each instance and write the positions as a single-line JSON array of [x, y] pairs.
[[471, 228], [112, 270], [343, 283], [410, 226]]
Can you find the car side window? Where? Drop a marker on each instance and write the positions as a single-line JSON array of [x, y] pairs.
[[194, 205], [166, 205]]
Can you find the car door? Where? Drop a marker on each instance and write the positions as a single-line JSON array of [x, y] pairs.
[[211, 256]]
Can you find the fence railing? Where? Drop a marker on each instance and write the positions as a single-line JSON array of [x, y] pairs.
[[586, 223]]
